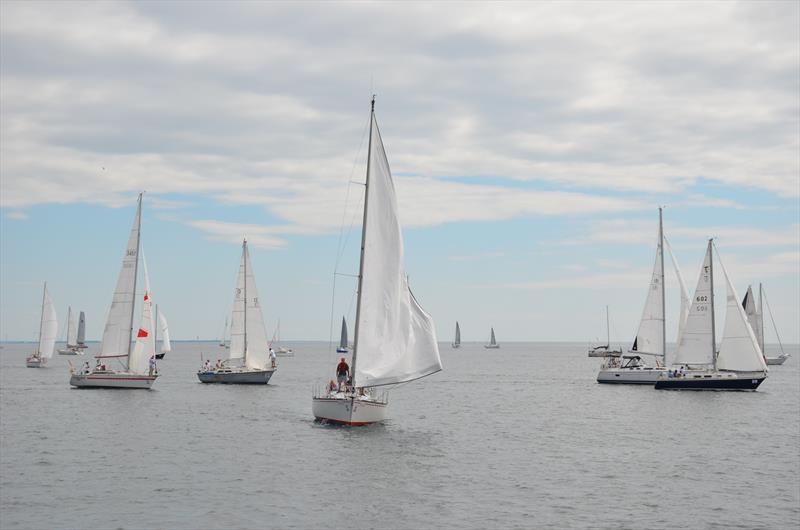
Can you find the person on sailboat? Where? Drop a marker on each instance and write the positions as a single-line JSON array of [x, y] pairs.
[[152, 364], [86, 368], [342, 372], [272, 357]]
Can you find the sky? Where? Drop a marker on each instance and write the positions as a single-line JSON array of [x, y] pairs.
[[531, 145]]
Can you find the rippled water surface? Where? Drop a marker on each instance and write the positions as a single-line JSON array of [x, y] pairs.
[[513, 438]]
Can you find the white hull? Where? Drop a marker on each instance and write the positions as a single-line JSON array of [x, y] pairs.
[[631, 376], [70, 351], [112, 380], [35, 362], [776, 360], [348, 409], [492, 346]]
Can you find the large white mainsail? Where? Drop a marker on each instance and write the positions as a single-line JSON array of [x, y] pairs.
[[739, 349], [166, 346], [248, 333], [754, 318], [71, 335], [48, 328], [119, 324], [650, 336], [145, 347], [697, 341], [685, 302], [395, 339]]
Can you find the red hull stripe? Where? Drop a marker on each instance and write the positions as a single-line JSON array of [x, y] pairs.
[[339, 422], [91, 378]]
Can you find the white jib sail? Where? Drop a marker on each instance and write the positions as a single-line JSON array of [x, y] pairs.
[[117, 332], [650, 336], [696, 345], [145, 347], [81, 329], [739, 349], [685, 302], [252, 330], [49, 326], [750, 309], [166, 346], [71, 336], [396, 338]]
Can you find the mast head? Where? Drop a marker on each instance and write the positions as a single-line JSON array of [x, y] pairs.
[[373, 102]]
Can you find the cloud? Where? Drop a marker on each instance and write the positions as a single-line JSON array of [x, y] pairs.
[[16, 215], [257, 235]]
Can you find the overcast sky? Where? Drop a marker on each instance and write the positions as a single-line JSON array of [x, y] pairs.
[[531, 145]]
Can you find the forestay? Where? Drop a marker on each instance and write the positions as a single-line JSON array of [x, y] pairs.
[[395, 337], [739, 349], [697, 341], [144, 348], [49, 326], [117, 333]]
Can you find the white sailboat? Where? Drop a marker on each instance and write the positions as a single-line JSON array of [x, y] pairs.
[[492, 342], [650, 338], [136, 360], [161, 322], [739, 364], [457, 341], [395, 339], [248, 361], [48, 329], [604, 350], [223, 342], [280, 351], [71, 344], [344, 347], [755, 316]]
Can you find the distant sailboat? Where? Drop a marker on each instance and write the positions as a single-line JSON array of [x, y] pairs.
[[48, 329], [137, 359], [280, 351], [604, 350], [222, 341], [395, 339], [739, 364], [161, 322], [72, 347], [492, 342], [82, 332], [248, 361], [457, 342], [650, 338], [755, 316], [343, 345]]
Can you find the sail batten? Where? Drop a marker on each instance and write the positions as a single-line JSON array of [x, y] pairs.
[[395, 338]]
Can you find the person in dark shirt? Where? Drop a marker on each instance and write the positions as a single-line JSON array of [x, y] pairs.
[[342, 372]]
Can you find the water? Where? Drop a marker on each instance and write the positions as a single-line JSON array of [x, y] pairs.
[[511, 438]]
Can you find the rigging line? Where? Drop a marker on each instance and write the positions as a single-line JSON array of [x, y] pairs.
[[764, 295]]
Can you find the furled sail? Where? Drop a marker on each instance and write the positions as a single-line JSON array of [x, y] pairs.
[[395, 337], [650, 336], [697, 341], [117, 332], [343, 338], [248, 334], [145, 347], [48, 326], [166, 346], [739, 349], [81, 329]]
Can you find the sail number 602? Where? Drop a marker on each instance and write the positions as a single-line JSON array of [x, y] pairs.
[[703, 298]]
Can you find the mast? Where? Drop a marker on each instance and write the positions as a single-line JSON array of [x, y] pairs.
[[713, 328], [663, 297], [135, 273], [608, 331], [761, 338], [363, 239], [155, 332], [41, 321], [69, 315], [244, 254]]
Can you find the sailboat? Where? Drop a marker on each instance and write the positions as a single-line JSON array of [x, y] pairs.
[[276, 341], [82, 332], [457, 342], [343, 346], [137, 359], [48, 329], [604, 350], [72, 347], [248, 361], [755, 316], [492, 342], [394, 339], [738, 365], [161, 322], [650, 338], [222, 341]]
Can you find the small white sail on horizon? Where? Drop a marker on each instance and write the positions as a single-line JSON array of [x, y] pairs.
[[72, 338], [457, 340], [343, 340], [81, 339], [166, 345]]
